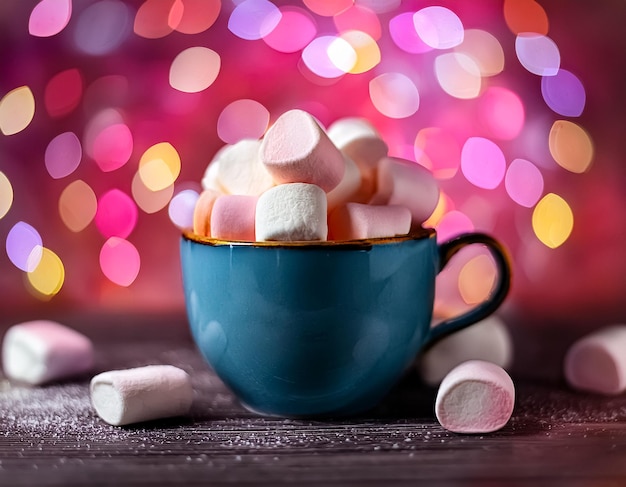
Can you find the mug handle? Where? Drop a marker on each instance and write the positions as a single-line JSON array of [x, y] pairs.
[[499, 292]]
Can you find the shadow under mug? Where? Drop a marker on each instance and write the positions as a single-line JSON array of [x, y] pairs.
[[321, 328]]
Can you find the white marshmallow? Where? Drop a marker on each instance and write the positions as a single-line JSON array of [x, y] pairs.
[[348, 188], [409, 184], [597, 362], [42, 351], [359, 140], [295, 211], [475, 397], [487, 340], [210, 179], [240, 171], [129, 396]]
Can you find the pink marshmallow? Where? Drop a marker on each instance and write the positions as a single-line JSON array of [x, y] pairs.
[[358, 221], [475, 397], [297, 150], [597, 362], [232, 217], [202, 212], [409, 184]]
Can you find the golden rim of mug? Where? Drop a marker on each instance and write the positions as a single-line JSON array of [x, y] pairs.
[[415, 234]]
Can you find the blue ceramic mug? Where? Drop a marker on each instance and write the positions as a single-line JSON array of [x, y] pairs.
[[320, 328]]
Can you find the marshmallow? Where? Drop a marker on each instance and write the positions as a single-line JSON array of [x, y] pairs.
[[38, 352], [297, 150], [487, 340], [597, 362], [210, 179], [361, 142], [475, 397], [232, 217], [239, 170], [348, 188], [357, 221], [142, 394], [202, 212], [408, 184], [295, 211]]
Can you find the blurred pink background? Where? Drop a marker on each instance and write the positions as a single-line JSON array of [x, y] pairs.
[[580, 283]]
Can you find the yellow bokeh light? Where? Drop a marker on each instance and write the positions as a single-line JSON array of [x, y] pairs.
[[77, 205], [553, 220], [444, 205], [148, 200], [571, 146], [476, 279], [159, 166], [6, 195], [17, 109], [48, 277], [366, 49]]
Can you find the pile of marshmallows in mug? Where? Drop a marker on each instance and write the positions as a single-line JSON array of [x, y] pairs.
[[304, 183]]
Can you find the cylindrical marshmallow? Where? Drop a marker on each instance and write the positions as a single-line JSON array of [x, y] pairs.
[[487, 340], [408, 184], [597, 362], [475, 397], [233, 216], [359, 140], [358, 221], [202, 212], [42, 351], [297, 150], [129, 396], [240, 170], [295, 211]]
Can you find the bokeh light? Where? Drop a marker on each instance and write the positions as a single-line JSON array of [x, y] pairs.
[[197, 16], [17, 109], [366, 50], [571, 146], [293, 32], [120, 261], [48, 276], [148, 200], [404, 35], [316, 56], [502, 112], [112, 147], [63, 92], [439, 151], [458, 75], [49, 17], [524, 182], [439, 27], [116, 215], [77, 205], [452, 224], [254, 19], [564, 93], [159, 166], [482, 162], [484, 49], [242, 119], [6, 195], [328, 8], [63, 155], [24, 246], [194, 69], [552, 220], [152, 18], [358, 18], [394, 95], [525, 16], [476, 279], [181, 208], [102, 27], [538, 54]]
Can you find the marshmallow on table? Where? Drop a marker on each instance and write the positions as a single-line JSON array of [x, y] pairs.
[[239, 170], [597, 362], [42, 351], [475, 397], [487, 340], [357, 221], [233, 216], [408, 184], [297, 150], [295, 211], [361, 142], [128, 396], [348, 188], [202, 212]]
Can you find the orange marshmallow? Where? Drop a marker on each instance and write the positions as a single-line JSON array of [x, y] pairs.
[[297, 150], [406, 183], [357, 221], [232, 217], [202, 212]]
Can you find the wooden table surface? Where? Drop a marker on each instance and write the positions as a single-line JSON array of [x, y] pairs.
[[51, 435]]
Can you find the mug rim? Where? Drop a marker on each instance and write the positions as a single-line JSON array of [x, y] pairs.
[[415, 234]]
